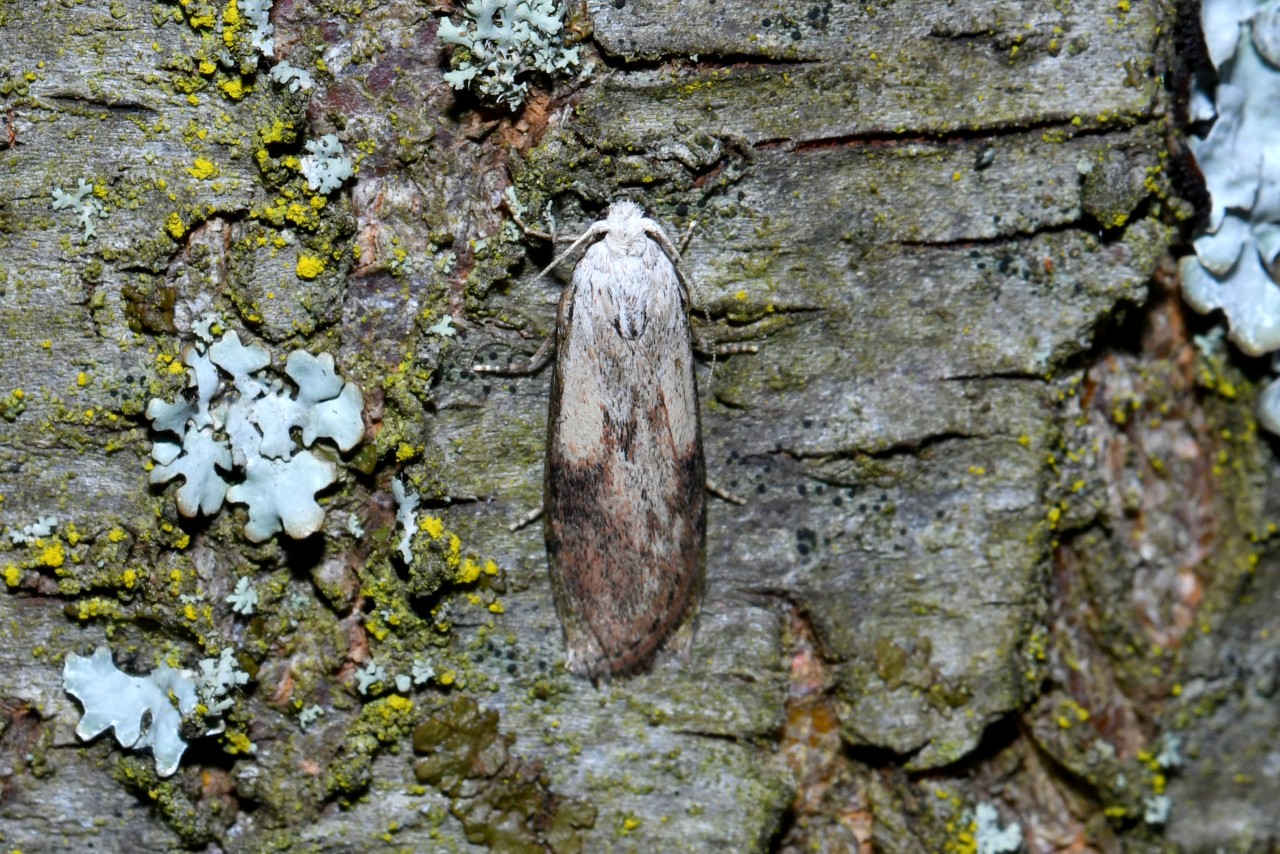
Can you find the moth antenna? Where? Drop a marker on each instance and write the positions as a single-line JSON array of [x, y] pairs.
[[660, 237], [536, 362], [593, 233]]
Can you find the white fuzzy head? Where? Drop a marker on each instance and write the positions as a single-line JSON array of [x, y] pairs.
[[625, 225]]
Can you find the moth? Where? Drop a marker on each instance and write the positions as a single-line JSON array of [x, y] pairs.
[[624, 511]]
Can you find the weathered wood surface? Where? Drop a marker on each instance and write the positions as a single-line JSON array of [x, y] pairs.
[[967, 550]]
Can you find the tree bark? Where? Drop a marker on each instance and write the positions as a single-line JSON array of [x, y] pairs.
[[1005, 530]]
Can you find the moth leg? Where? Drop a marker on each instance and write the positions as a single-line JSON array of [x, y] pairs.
[[715, 490], [536, 363], [707, 347], [549, 236], [688, 235], [526, 228], [531, 516]]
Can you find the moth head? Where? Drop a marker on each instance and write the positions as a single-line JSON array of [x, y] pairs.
[[625, 226]]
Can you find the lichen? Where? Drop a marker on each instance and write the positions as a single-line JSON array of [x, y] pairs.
[[501, 42], [1231, 267], [326, 165], [84, 201], [148, 711], [248, 426]]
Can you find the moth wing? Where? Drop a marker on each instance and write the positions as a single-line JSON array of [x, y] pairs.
[[625, 473]]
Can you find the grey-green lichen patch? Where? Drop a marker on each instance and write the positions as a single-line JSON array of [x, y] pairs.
[[1115, 181], [726, 687], [381, 724]]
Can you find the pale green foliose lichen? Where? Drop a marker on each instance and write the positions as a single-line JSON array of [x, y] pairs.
[[309, 715], [291, 78], [147, 711], [406, 518], [259, 13], [1234, 256], [503, 41], [39, 529], [990, 837], [83, 202], [247, 426], [244, 599], [327, 166], [370, 675], [444, 327]]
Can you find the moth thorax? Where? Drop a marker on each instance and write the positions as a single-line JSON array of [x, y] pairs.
[[631, 296]]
